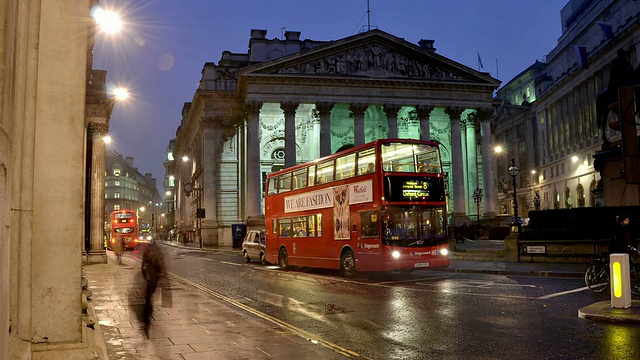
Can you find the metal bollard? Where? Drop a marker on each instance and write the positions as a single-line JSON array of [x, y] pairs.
[[620, 281]]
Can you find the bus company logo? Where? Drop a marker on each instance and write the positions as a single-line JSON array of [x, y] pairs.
[[359, 189], [420, 253], [369, 246]]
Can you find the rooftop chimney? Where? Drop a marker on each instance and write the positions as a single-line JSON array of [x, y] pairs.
[[427, 44], [258, 34], [292, 35]]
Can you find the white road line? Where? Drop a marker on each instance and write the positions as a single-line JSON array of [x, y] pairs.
[[409, 280], [562, 293], [230, 263], [201, 258]]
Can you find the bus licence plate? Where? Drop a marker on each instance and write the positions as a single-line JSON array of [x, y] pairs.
[[421, 264]]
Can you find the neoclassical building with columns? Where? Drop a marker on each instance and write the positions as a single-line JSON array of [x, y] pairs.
[[288, 101]]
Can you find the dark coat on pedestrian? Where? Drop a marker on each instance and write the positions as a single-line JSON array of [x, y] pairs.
[[622, 237], [152, 263]]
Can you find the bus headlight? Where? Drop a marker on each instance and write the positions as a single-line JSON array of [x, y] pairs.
[[444, 252], [395, 254]]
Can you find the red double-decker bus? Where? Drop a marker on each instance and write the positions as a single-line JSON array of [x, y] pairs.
[[124, 225], [376, 207]]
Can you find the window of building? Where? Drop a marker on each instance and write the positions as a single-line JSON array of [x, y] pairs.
[[116, 207], [116, 171], [580, 196], [116, 195], [170, 156], [116, 183], [568, 200]]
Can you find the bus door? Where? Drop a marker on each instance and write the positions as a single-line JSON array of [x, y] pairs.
[[368, 239], [273, 241]]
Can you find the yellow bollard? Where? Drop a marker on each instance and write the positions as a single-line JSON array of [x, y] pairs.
[[620, 281]]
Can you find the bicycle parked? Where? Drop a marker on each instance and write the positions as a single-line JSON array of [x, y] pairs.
[[597, 276]]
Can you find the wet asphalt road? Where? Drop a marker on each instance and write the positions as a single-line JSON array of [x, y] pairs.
[[419, 315]]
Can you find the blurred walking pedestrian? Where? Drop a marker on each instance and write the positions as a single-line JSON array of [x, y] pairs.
[[118, 249], [153, 268]]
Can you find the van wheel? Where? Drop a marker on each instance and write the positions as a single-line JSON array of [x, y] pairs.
[[246, 257], [348, 264], [263, 260], [283, 258]]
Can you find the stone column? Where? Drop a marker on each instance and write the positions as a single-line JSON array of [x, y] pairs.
[[324, 111], [358, 110], [459, 212], [472, 163], [97, 252], [289, 109], [392, 118], [423, 115], [254, 210], [488, 163], [213, 139]]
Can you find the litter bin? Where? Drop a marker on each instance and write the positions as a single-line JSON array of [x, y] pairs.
[[238, 231]]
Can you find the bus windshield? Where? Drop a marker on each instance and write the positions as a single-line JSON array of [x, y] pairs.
[[124, 230], [413, 226], [403, 157]]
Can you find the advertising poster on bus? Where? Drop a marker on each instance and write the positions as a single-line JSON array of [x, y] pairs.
[[341, 212]]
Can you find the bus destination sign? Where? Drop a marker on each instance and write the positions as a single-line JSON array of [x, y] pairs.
[[415, 189]]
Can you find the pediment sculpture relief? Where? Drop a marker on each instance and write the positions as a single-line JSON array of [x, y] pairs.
[[372, 60]]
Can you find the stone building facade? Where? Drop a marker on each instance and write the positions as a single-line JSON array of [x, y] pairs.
[[560, 125], [291, 101], [127, 188], [54, 113]]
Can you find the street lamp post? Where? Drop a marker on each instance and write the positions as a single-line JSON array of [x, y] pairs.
[[514, 170], [477, 197]]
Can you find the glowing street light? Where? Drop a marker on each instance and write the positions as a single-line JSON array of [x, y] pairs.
[[168, 193], [185, 158], [120, 93], [108, 21], [106, 139]]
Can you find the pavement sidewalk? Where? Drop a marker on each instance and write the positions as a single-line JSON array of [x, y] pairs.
[[187, 323]]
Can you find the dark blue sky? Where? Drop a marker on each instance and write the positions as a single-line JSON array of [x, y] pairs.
[[160, 53]]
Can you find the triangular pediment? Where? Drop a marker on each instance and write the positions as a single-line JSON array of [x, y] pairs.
[[374, 54]]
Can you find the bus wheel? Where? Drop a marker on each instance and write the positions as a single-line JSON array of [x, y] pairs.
[[283, 259], [246, 257], [348, 264]]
